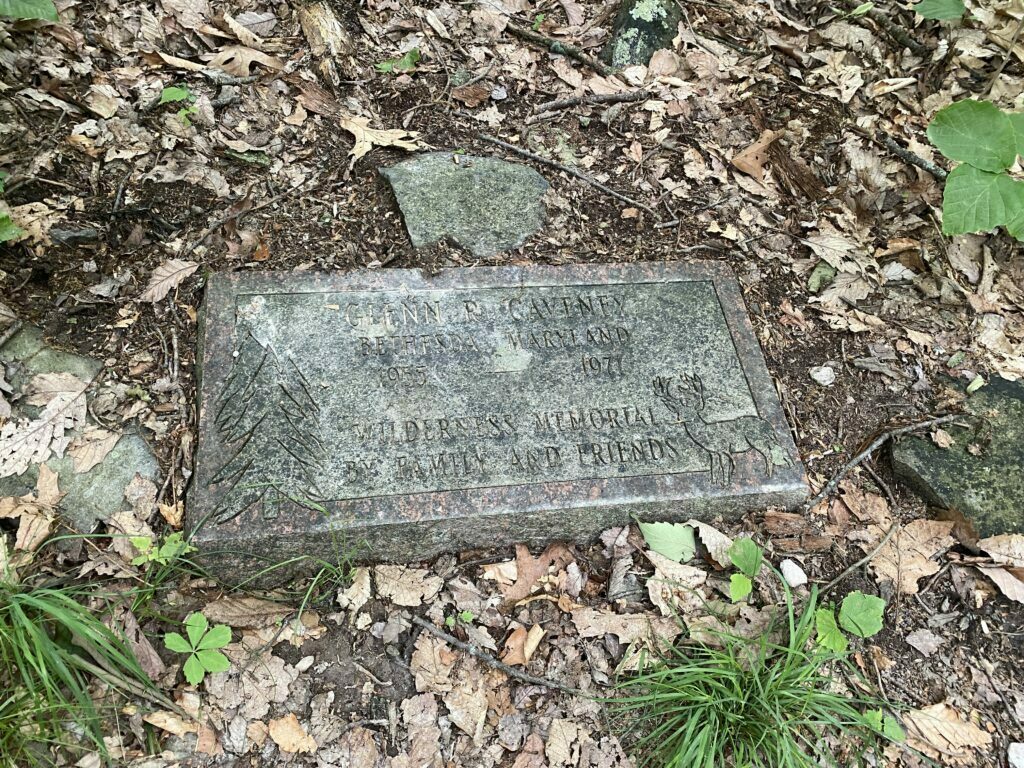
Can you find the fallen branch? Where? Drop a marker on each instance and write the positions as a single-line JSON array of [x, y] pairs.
[[877, 443], [894, 30], [909, 157], [571, 171], [563, 49], [596, 98], [492, 662]]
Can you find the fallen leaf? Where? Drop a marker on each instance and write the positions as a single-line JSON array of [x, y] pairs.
[[592, 622], [752, 159], [562, 737], [521, 644], [1007, 548], [467, 707], [907, 557], [472, 95], [171, 722], [925, 641], [167, 276], [289, 735], [91, 447], [404, 585], [940, 734], [716, 542], [530, 569], [358, 593], [432, 664], [237, 59], [367, 138], [673, 587], [1009, 580], [245, 611]]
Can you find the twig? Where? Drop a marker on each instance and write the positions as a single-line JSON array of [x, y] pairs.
[[564, 49], [477, 78], [877, 443], [909, 157], [9, 332], [596, 98], [492, 662], [231, 216], [864, 560], [1006, 58], [894, 30], [571, 171]]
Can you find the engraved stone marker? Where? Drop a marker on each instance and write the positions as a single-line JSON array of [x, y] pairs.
[[411, 414]]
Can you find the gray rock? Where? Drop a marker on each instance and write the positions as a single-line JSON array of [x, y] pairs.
[[90, 496], [641, 27], [987, 489], [484, 204]]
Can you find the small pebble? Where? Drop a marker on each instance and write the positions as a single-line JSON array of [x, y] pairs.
[[304, 663], [1015, 755], [793, 573], [824, 375]]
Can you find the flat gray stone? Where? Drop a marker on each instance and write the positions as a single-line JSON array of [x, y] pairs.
[[89, 496], [407, 414], [988, 489], [641, 27], [484, 204]]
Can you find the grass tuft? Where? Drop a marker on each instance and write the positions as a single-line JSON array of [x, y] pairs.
[[746, 703]]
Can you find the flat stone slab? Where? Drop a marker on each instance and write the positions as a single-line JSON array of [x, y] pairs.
[[484, 204], [981, 475], [410, 414]]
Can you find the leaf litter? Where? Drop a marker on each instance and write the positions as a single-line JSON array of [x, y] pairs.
[[799, 191]]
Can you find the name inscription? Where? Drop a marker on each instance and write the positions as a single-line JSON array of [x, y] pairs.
[[356, 394]]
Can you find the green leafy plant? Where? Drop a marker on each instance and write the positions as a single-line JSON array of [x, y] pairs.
[[202, 647], [747, 556], [405, 63], [175, 94], [942, 10], [767, 702], [29, 9], [174, 546], [52, 647], [538, 20], [466, 617], [980, 195]]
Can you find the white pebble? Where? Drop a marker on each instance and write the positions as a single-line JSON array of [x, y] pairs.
[[1016, 755], [793, 573], [824, 375]]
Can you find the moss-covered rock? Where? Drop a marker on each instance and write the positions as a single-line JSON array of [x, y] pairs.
[[641, 27], [988, 488]]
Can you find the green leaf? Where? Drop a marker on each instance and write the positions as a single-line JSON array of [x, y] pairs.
[[861, 614], [29, 9], [739, 587], [193, 670], [538, 20], [829, 635], [196, 626], [860, 10], [4, 176], [746, 556], [976, 201], [466, 617], [940, 9], [822, 276], [217, 637], [406, 63], [1015, 226], [8, 229], [975, 132], [1016, 120], [672, 540], [884, 724], [177, 643], [213, 661], [176, 93]]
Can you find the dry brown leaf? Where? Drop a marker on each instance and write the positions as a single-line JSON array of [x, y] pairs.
[[472, 95], [561, 748], [504, 573], [573, 12], [91, 447], [673, 587], [752, 159], [245, 36], [358, 593], [716, 542], [245, 612], [467, 707], [237, 59], [520, 646], [33, 442], [157, 57], [1009, 580], [907, 557], [530, 569], [367, 138], [189, 13], [420, 716], [171, 722], [168, 275], [1007, 548], [939, 733], [432, 663], [592, 622], [406, 586], [289, 735]]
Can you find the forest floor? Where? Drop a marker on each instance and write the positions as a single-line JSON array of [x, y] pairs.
[[757, 145]]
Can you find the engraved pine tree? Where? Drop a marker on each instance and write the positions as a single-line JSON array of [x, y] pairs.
[[267, 421]]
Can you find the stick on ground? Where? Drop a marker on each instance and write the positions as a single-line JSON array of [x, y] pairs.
[[877, 443], [492, 662], [571, 171], [559, 47], [594, 98]]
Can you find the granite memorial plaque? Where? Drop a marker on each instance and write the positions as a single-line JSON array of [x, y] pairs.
[[408, 414]]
